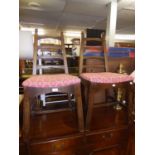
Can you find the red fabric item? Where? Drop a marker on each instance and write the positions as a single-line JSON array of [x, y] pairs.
[[132, 54], [45, 81], [106, 77]]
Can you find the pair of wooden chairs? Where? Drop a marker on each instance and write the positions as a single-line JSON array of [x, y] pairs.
[[42, 84]]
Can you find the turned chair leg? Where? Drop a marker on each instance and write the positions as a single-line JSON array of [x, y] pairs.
[[77, 90]]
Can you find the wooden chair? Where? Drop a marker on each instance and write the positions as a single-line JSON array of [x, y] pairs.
[[95, 82], [43, 84], [50, 58], [91, 60]]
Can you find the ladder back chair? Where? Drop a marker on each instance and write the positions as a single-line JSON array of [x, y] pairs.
[[43, 84], [91, 59], [98, 81], [50, 58]]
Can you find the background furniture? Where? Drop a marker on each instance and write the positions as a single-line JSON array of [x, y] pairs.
[[121, 55]]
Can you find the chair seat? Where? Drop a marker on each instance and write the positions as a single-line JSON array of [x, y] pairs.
[[106, 77], [46, 81]]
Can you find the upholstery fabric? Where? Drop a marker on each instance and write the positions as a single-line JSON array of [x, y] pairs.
[[45, 81], [133, 75], [106, 77]]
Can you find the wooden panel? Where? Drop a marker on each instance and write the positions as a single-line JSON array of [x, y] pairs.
[[107, 138], [125, 44], [65, 152], [22, 149], [113, 151], [108, 117], [131, 141], [57, 146], [53, 125], [116, 150]]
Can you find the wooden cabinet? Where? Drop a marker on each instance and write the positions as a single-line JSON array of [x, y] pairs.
[[110, 142], [57, 134], [107, 142], [107, 138]]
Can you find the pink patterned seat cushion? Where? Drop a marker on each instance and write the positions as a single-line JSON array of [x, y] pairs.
[[106, 77], [45, 81]]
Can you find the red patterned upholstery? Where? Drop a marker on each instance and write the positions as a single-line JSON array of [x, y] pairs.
[[45, 81], [133, 75], [106, 77]]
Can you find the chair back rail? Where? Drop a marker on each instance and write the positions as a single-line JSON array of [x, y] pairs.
[[59, 54], [92, 58]]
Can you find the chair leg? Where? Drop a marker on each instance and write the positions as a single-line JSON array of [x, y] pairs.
[[90, 107], [77, 90], [26, 116], [130, 104], [26, 121], [84, 99]]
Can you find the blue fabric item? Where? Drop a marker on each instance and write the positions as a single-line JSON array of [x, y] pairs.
[[120, 51], [117, 52], [93, 54], [114, 54]]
